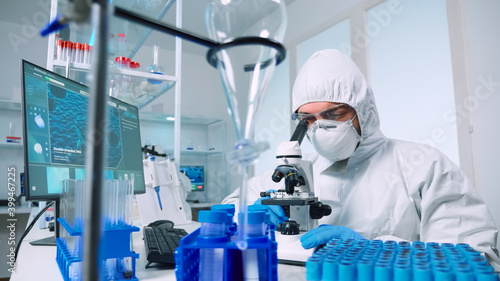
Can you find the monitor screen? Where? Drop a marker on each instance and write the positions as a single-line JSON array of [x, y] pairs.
[[55, 134], [196, 175]]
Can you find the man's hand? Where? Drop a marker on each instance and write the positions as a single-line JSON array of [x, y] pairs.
[[325, 233], [276, 213]]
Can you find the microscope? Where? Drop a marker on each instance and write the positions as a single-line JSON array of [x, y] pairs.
[[297, 199]]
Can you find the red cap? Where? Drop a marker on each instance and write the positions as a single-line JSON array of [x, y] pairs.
[[122, 60], [59, 42], [86, 47], [77, 45], [121, 35], [134, 64]]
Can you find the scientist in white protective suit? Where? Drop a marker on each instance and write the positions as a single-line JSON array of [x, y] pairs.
[[378, 188]]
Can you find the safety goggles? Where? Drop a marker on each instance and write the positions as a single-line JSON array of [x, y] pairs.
[[340, 112]]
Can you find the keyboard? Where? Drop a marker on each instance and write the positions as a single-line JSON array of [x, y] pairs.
[[160, 241]]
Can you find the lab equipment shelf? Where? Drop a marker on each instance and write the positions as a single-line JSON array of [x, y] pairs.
[[168, 118], [141, 101], [203, 151], [11, 145], [126, 38], [86, 67], [10, 105], [135, 35]]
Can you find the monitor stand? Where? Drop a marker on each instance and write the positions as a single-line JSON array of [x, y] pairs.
[[51, 240]]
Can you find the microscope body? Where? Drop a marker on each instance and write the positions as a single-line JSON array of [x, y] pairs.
[[297, 199]]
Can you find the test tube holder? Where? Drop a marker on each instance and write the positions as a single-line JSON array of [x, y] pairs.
[[187, 256], [115, 243]]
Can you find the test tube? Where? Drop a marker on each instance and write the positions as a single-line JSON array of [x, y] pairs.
[[77, 50], [59, 49], [122, 44], [86, 53], [130, 205], [212, 259], [255, 260], [73, 52]]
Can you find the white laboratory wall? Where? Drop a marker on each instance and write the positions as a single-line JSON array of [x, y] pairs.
[[482, 44], [19, 42], [409, 69], [273, 118], [335, 37]]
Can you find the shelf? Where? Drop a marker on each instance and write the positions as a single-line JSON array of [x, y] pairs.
[[140, 102], [11, 145], [168, 118], [10, 105], [86, 68], [200, 151], [135, 34]]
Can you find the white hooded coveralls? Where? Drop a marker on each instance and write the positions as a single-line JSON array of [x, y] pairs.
[[388, 189]]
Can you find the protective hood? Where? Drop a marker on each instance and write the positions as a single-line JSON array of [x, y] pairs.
[[330, 76]]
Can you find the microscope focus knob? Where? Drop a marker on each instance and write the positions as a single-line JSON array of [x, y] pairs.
[[318, 210], [289, 228]]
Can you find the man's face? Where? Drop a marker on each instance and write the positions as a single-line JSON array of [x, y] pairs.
[[328, 110]]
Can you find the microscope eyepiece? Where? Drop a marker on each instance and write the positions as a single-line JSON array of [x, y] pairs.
[[277, 175]]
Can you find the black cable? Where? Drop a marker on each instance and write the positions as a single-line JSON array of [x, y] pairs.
[[30, 227]]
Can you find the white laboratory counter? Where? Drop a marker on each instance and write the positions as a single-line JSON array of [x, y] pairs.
[[39, 262]]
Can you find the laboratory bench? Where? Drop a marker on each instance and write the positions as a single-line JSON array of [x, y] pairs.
[[39, 262]]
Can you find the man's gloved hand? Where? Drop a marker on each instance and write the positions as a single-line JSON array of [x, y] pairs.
[[276, 213], [324, 233]]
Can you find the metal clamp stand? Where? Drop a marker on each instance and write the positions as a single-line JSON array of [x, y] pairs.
[[212, 45], [96, 153]]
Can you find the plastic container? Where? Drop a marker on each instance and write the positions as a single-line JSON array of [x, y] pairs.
[[213, 229], [122, 63], [255, 260], [121, 87], [229, 209]]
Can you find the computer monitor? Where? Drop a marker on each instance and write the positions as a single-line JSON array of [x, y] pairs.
[[56, 139], [196, 175]]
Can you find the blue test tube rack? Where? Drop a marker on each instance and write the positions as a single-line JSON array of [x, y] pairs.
[[187, 255], [375, 260], [115, 244]]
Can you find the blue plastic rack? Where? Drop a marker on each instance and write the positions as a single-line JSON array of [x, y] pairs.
[[187, 256], [368, 260], [115, 244]]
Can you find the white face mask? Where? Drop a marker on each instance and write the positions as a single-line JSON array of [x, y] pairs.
[[334, 140]]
